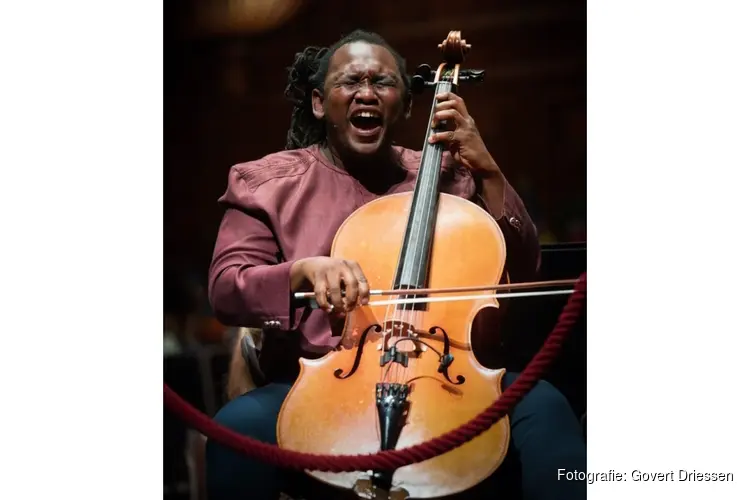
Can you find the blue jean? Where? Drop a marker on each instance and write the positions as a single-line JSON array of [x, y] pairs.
[[545, 437]]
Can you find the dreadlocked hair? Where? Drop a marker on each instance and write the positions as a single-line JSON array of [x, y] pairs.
[[308, 72]]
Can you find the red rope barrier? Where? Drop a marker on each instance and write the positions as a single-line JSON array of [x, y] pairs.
[[393, 459]]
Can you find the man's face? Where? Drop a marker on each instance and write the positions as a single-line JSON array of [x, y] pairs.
[[363, 98]]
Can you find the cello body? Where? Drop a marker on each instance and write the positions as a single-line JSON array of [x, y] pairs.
[[406, 373], [328, 415]]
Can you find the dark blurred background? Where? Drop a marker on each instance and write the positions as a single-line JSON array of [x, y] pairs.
[[225, 72]]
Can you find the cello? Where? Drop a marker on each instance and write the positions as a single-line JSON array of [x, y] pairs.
[[404, 371]]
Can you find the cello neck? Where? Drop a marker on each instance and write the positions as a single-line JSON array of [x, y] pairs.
[[413, 262]]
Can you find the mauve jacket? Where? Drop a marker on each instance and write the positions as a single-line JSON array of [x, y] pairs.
[[289, 205]]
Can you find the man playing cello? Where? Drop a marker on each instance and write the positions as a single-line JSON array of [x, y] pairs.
[[281, 215]]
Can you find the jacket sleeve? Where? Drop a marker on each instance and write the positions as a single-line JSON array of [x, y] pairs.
[[248, 285], [499, 198]]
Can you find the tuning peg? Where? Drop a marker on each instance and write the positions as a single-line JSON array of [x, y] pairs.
[[471, 75], [424, 71], [417, 84]]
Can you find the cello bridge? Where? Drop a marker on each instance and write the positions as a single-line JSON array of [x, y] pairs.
[[398, 334]]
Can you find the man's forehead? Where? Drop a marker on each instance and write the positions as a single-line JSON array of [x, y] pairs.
[[362, 56]]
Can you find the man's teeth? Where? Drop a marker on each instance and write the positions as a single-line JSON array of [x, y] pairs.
[[366, 114]]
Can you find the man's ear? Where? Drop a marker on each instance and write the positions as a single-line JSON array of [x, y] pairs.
[[407, 108], [317, 104]]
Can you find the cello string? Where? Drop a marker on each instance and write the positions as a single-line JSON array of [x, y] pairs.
[[433, 154], [406, 316], [431, 161], [386, 336]]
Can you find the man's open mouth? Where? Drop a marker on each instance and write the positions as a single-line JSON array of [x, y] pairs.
[[366, 122]]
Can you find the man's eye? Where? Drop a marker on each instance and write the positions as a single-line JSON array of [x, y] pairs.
[[386, 82]]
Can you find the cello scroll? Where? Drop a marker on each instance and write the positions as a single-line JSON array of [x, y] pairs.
[[454, 50]]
